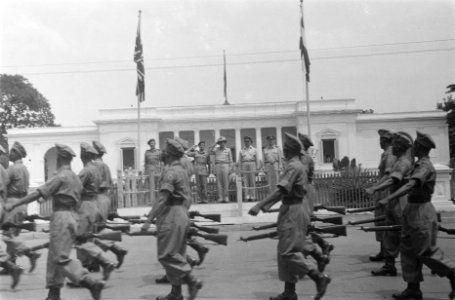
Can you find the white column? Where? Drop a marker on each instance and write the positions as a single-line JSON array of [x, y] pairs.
[[259, 143], [238, 142], [217, 133], [196, 137], [176, 133], [279, 138]]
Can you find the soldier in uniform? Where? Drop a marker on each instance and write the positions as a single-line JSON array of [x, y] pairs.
[[272, 161], [90, 254], [152, 159], [247, 163], [385, 167], [172, 222], [201, 163], [401, 148], [420, 227], [293, 221], [65, 191], [17, 187], [104, 202], [223, 164]]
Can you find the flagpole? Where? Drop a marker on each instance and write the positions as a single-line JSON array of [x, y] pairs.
[[226, 102], [305, 74], [139, 98]]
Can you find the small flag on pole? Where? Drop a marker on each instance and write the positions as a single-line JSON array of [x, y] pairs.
[[226, 102], [302, 45], [139, 60]]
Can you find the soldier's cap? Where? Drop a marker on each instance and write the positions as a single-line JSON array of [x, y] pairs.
[[245, 138], [64, 151], [384, 133], [87, 148], [270, 137], [293, 143], [174, 148], [99, 147], [183, 142], [403, 138], [305, 139], [148, 142], [425, 140], [19, 149], [201, 142], [2, 150], [221, 139]]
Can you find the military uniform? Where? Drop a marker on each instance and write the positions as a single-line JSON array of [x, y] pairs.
[[247, 158], [223, 162], [152, 161], [272, 162], [201, 160]]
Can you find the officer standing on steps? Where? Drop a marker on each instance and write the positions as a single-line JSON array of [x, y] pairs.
[[223, 164], [420, 227], [272, 162], [201, 163], [172, 223], [247, 162], [385, 168], [401, 148], [65, 191], [152, 159], [292, 224]]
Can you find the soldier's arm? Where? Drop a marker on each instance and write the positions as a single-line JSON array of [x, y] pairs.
[[403, 190], [35, 195], [268, 202], [381, 185], [158, 205]]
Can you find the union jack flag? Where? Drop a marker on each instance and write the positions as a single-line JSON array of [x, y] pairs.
[[139, 60]]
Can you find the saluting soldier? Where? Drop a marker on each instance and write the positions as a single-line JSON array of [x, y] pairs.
[[104, 202], [272, 161], [247, 162], [172, 222], [385, 168], [401, 148], [201, 163], [17, 187], [420, 227], [292, 224], [152, 159], [65, 190], [223, 164], [90, 254]]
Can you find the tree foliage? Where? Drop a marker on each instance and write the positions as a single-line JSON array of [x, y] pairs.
[[21, 105]]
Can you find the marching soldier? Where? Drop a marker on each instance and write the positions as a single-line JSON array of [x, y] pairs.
[[65, 191], [272, 161], [201, 162], [292, 224], [247, 162], [17, 187], [152, 158], [223, 164], [401, 148], [420, 228], [172, 224], [104, 203], [385, 167]]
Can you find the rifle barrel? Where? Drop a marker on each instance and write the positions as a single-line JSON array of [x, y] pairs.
[[365, 221], [357, 210]]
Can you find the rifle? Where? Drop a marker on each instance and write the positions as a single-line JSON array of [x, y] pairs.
[[217, 238], [112, 216], [34, 217], [267, 235], [446, 230], [122, 227], [110, 236], [357, 210], [268, 226], [39, 247], [213, 217], [206, 229], [142, 233], [364, 221], [337, 220], [337, 230], [381, 228], [337, 209], [27, 226]]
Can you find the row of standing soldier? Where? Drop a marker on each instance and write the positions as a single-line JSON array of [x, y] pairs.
[[403, 194]]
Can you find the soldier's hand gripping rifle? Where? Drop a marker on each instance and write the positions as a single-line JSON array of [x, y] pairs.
[[337, 209], [217, 238], [213, 217], [110, 236], [358, 210], [122, 227], [337, 220], [34, 217], [365, 221], [27, 226], [112, 216]]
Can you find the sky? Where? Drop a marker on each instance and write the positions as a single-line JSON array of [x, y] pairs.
[[391, 56]]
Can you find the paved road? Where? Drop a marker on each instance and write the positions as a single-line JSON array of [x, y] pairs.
[[239, 271]]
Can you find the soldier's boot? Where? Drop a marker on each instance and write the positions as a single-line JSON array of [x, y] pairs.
[[14, 270], [321, 259], [200, 249], [388, 269], [326, 247], [107, 266], [175, 294], [288, 294], [94, 286], [33, 257], [120, 253], [412, 292], [194, 285], [379, 256], [191, 261], [452, 285], [322, 281], [162, 280], [54, 294]]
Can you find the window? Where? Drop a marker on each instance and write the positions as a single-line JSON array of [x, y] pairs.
[[251, 132], [188, 136], [163, 136], [328, 150], [328, 145], [229, 134], [208, 136], [128, 158], [291, 130]]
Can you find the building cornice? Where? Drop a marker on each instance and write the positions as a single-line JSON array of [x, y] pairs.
[[399, 116], [51, 131]]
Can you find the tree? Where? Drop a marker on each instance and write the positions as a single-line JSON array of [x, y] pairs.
[[448, 105], [21, 105]]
